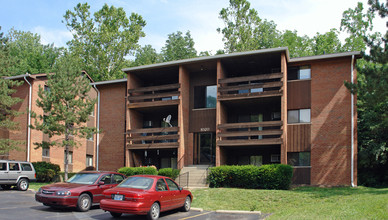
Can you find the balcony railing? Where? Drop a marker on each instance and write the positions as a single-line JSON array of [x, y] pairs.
[[250, 133], [263, 85], [154, 96], [153, 138]]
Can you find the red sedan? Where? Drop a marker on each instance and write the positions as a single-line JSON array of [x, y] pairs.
[[146, 195], [82, 190]]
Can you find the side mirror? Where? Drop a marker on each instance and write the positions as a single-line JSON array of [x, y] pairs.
[[180, 188], [101, 183]]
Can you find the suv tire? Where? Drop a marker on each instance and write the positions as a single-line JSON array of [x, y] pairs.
[[23, 184]]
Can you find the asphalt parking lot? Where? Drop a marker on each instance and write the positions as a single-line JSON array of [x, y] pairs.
[[22, 205]]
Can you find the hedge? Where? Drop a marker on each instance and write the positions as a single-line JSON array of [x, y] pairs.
[[45, 171], [273, 176], [169, 172], [130, 171]]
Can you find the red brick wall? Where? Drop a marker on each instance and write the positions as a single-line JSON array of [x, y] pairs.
[[330, 122], [112, 123]]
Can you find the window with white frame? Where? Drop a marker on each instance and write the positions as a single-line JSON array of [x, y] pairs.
[[299, 72], [299, 116], [89, 160], [69, 157], [275, 158], [46, 152]]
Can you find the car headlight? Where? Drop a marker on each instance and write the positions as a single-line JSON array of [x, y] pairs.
[[63, 193]]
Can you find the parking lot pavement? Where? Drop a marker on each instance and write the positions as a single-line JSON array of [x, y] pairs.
[[22, 205]]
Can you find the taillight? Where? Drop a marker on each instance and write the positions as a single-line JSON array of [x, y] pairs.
[[35, 175]]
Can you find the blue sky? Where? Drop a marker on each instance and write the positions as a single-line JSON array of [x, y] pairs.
[[164, 17]]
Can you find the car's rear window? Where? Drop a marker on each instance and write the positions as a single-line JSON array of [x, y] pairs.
[[84, 178], [137, 183], [26, 167]]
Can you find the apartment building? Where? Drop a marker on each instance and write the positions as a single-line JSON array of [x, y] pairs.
[[257, 107], [80, 157]]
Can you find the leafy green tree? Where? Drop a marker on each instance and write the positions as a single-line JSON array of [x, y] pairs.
[[244, 30], [372, 100], [298, 46], [104, 40], [29, 54], [66, 106], [7, 88], [146, 55], [179, 47], [326, 43]]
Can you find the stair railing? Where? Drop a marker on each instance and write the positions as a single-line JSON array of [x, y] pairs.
[[184, 176]]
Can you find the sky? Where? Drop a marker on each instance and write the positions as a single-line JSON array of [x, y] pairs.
[[164, 17]]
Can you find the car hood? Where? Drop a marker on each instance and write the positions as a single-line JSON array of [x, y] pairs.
[[62, 186]]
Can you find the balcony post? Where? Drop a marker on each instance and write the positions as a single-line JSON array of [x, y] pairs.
[[183, 116], [283, 147]]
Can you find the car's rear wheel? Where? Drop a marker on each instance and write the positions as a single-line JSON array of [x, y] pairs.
[[6, 187], [84, 202], [154, 212], [187, 205], [23, 184], [115, 214]]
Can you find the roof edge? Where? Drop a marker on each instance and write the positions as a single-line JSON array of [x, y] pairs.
[[325, 56], [18, 76], [109, 82]]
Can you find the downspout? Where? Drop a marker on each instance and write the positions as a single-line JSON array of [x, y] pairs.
[[98, 127], [352, 126], [29, 119]]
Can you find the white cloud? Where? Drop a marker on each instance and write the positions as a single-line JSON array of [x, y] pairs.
[[57, 36]]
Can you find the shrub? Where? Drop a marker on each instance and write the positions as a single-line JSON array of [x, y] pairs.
[[45, 171], [130, 171], [169, 172], [274, 176]]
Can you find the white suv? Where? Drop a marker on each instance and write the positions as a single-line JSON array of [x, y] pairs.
[[16, 173]]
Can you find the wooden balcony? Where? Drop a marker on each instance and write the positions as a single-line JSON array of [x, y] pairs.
[[153, 138], [154, 96], [250, 133], [246, 87]]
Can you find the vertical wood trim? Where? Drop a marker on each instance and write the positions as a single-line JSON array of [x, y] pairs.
[[299, 137], [183, 116], [283, 147], [221, 115]]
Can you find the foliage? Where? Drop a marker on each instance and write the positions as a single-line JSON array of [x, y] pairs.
[[146, 55], [298, 46], [299, 203], [372, 97], [273, 176], [7, 100], [326, 43], [104, 40], [29, 54], [45, 171], [66, 106], [130, 171], [179, 47], [244, 30], [169, 172]]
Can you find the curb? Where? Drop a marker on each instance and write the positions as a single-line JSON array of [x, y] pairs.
[[238, 212], [196, 209]]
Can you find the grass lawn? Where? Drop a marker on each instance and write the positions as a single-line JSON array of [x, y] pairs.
[[299, 203], [35, 186]]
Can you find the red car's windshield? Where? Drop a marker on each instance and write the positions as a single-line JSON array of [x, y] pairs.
[[137, 183], [84, 178]]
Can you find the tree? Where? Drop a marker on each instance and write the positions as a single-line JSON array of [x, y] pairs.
[[244, 30], [7, 88], [66, 106], [146, 55], [326, 43], [179, 47], [30, 55], [298, 46], [102, 42], [372, 100]]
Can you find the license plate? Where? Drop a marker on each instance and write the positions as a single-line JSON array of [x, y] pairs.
[[118, 197]]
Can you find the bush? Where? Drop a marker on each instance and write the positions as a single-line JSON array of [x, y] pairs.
[[45, 171], [130, 171], [274, 176], [169, 172]]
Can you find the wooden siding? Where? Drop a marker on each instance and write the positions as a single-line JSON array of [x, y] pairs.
[[203, 120], [298, 137], [299, 94], [302, 175]]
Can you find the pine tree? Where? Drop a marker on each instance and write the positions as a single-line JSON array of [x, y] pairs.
[[66, 106]]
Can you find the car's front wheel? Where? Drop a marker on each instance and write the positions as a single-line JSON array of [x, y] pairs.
[[115, 214], [23, 184], [84, 202], [187, 205], [154, 212]]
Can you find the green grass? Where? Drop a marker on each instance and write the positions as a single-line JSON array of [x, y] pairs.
[[35, 186], [299, 203]]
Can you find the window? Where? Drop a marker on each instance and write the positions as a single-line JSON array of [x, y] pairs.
[[69, 157], [299, 72], [106, 179], [117, 179], [171, 185], [92, 112], [256, 160], [14, 167], [205, 96], [275, 158], [89, 160], [3, 166], [161, 185], [45, 152], [299, 116], [26, 167], [91, 138], [298, 158], [47, 89]]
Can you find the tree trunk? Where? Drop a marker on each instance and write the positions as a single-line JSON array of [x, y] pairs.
[[66, 158]]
